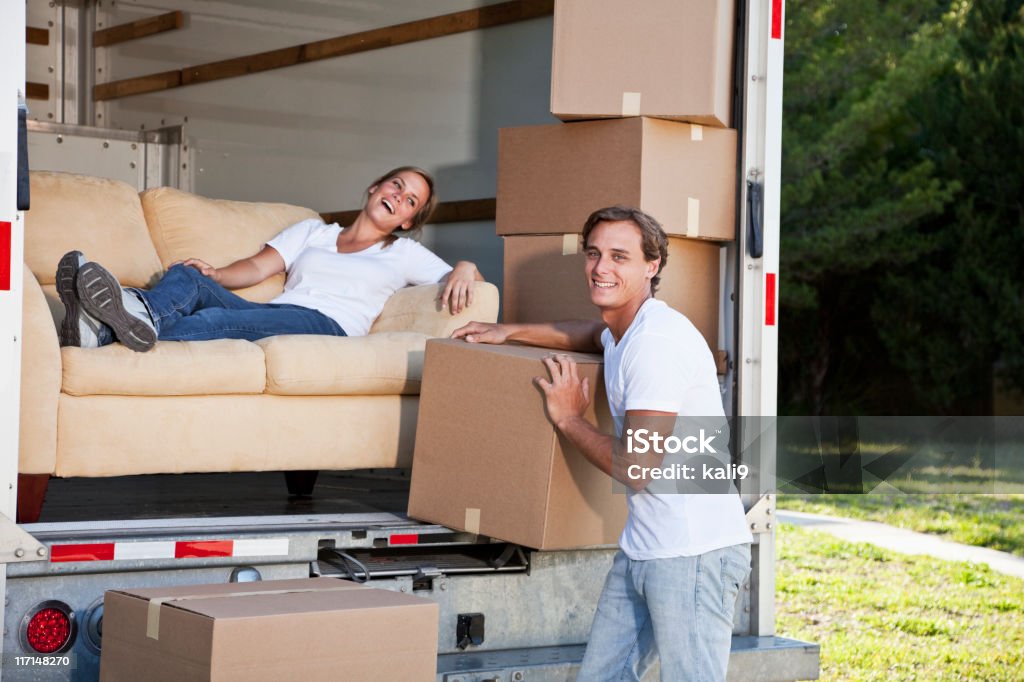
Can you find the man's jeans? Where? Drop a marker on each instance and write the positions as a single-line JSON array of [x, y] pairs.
[[188, 306], [679, 610]]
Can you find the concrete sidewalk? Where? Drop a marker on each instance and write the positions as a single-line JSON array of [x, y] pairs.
[[905, 541]]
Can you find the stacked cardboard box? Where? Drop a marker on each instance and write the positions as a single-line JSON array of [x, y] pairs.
[[544, 280], [662, 80], [551, 178], [663, 58]]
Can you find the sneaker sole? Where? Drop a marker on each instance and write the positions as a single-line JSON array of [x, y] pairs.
[[67, 270], [100, 295]]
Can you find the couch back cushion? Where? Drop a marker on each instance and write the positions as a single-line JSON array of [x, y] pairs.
[[101, 218], [184, 225]]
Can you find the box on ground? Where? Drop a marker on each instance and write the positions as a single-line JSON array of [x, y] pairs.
[[304, 629], [545, 281], [663, 58], [488, 461], [552, 177]]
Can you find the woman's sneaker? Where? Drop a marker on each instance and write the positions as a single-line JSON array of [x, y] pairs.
[[78, 328], [103, 297]]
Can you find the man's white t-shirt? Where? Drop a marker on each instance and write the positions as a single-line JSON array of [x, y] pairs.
[[350, 288], [662, 363]]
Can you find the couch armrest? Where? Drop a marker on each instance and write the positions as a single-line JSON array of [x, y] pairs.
[[417, 309], [40, 382]]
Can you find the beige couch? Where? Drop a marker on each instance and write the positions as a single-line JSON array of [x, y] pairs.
[[289, 403]]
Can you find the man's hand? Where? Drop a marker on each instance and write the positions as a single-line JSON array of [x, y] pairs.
[[566, 395], [482, 332]]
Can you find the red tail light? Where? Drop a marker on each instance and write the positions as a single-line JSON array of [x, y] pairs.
[[49, 628]]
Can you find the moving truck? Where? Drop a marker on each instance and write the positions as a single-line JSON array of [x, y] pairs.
[[218, 99]]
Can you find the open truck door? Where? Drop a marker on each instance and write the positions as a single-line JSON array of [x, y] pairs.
[[15, 544]]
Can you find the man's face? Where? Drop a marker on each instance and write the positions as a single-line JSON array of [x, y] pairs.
[[617, 273]]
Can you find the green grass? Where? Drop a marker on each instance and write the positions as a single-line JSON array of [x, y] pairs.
[[879, 615], [994, 521]]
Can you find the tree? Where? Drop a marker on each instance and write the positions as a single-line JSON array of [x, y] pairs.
[[970, 294], [892, 242]]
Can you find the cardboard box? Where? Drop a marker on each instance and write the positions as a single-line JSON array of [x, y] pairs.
[[545, 281], [664, 58], [488, 461], [551, 178], [307, 629]]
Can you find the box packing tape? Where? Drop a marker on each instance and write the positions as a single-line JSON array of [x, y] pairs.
[[153, 613], [696, 132], [570, 244], [631, 104], [692, 217], [472, 520]]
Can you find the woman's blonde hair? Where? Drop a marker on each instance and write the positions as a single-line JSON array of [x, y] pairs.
[[426, 208]]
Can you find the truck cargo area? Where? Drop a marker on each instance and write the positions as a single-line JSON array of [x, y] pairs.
[[324, 95]]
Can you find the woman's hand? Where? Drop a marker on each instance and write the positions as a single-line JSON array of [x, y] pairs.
[[458, 290], [242, 273], [203, 267]]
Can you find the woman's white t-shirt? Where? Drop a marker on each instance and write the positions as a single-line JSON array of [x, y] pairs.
[[350, 288]]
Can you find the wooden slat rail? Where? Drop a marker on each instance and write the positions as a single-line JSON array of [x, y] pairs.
[[37, 36], [465, 211], [138, 29], [37, 91], [399, 34]]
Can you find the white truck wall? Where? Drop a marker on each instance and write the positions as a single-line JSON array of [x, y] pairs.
[[317, 133]]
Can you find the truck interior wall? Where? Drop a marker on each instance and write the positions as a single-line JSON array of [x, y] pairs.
[[316, 133]]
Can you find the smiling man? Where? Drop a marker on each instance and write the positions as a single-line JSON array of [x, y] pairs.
[[672, 588]]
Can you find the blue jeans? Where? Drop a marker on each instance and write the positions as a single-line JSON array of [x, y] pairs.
[[679, 610], [188, 306]]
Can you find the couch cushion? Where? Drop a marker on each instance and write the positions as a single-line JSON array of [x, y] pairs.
[[379, 364], [226, 366], [184, 225], [417, 309], [101, 218]]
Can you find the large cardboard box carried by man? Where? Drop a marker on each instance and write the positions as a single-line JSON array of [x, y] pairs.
[[303, 629], [488, 461]]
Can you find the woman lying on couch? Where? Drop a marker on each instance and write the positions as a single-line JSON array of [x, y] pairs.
[[338, 280]]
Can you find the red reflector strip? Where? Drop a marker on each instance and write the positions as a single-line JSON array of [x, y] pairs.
[[169, 549], [5, 257], [776, 19], [98, 552], [191, 550], [769, 299], [404, 539]]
